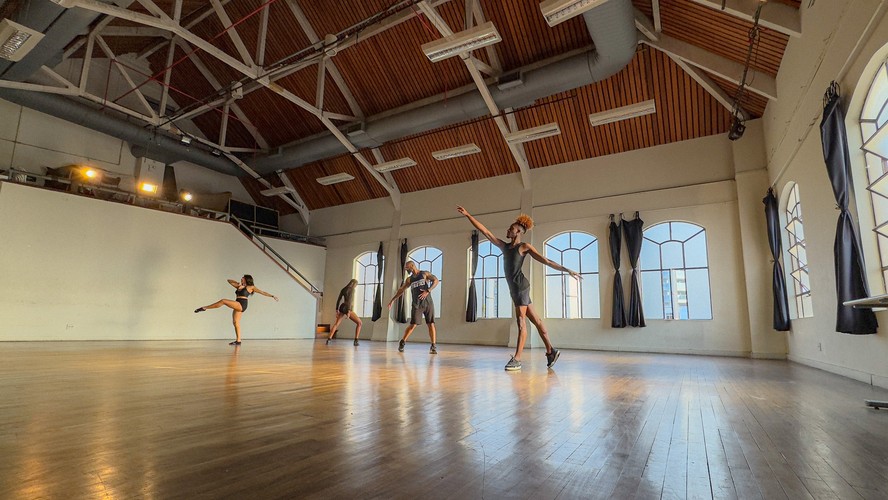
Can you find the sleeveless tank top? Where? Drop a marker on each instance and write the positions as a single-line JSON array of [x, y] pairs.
[[512, 262], [418, 284]]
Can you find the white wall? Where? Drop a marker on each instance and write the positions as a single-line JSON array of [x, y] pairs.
[[690, 181], [32, 141], [839, 40], [77, 268]]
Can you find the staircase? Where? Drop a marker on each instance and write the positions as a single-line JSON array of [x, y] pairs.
[[276, 257]]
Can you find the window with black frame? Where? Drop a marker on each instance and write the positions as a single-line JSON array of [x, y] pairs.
[[675, 272]]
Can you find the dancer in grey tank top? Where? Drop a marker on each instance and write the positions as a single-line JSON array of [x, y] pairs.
[[420, 284], [514, 252]]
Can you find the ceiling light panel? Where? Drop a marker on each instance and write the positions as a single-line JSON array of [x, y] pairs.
[[532, 134], [648, 107], [334, 179], [276, 191], [395, 165], [448, 154], [17, 40], [464, 41], [558, 11]]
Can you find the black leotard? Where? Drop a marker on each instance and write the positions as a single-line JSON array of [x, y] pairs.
[[242, 294]]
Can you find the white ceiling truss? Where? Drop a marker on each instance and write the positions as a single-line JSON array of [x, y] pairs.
[[696, 61], [517, 150]]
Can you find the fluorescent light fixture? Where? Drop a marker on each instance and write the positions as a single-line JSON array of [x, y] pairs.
[[395, 165], [148, 187], [558, 11], [464, 41], [447, 154], [17, 40], [276, 191], [334, 179], [648, 107], [64, 3], [532, 134]]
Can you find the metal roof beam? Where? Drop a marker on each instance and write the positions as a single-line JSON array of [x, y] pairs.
[[776, 16]]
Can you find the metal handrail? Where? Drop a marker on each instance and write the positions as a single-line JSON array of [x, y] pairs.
[[268, 249]]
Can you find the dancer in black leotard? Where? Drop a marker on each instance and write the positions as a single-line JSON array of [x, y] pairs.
[[244, 289], [514, 252], [344, 304]]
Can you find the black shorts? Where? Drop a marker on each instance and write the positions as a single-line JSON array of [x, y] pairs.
[[243, 302], [423, 308], [343, 309]]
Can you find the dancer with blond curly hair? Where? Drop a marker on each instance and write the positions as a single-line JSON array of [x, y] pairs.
[[514, 252]]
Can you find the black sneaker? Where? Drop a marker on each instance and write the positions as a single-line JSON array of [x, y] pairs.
[[401, 345], [356, 343], [328, 341], [236, 342], [199, 310], [552, 357], [433, 349]]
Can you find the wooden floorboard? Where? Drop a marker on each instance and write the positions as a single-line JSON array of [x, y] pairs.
[[300, 419]]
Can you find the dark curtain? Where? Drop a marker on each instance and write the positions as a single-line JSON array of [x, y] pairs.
[[402, 313], [850, 278], [377, 301], [781, 305], [169, 189], [633, 230], [472, 304], [614, 239]]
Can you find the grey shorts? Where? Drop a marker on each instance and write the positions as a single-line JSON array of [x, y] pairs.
[[423, 308], [520, 292]]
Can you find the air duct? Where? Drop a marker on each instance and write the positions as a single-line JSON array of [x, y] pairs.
[[61, 26], [612, 28], [146, 142]]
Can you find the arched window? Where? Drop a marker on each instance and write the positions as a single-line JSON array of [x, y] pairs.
[[491, 290], [874, 131], [432, 260], [367, 273], [565, 296], [798, 257], [675, 272]]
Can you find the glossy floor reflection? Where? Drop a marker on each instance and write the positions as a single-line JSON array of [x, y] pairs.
[[298, 419]]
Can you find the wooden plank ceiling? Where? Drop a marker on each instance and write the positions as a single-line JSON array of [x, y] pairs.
[[387, 71]]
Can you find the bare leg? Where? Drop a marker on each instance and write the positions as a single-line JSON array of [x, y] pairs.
[[408, 331], [520, 314], [541, 329], [224, 302], [432, 331], [336, 323], [354, 317], [235, 318]]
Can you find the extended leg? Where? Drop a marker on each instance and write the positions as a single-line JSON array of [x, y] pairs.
[[235, 319]]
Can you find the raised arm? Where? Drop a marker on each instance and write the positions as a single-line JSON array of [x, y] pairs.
[[480, 227], [401, 290], [537, 256], [234, 283], [260, 292]]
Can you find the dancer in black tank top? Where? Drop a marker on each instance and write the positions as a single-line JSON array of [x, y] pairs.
[[243, 289], [514, 252], [420, 284], [344, 304]]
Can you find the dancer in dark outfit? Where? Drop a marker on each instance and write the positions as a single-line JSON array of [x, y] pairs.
[[514, 252], [244, 288], [420, 284], [344, 304]]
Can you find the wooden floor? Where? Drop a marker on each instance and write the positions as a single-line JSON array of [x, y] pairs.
[[298, 419]]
